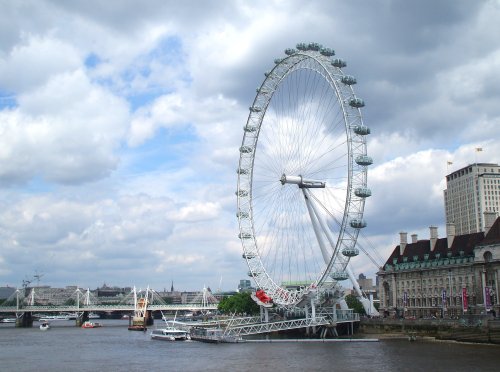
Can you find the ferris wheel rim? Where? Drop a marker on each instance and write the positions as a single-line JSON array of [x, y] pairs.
[[323, 65]]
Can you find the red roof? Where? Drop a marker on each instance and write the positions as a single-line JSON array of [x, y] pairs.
[[465, 243]]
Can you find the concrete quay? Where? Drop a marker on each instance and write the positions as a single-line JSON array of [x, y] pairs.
[[474, 328]]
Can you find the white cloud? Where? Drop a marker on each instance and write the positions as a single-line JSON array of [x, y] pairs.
[[181, 77]]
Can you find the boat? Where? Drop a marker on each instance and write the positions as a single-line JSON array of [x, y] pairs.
[[8, 320], [94, 316], [44, 326], [89, 324], [170, 334], [47, 318], [213, 335]]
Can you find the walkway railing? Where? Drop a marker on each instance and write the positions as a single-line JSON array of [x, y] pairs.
[[125, 307]]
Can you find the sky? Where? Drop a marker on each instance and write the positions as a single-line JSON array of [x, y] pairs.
[[120, 123]]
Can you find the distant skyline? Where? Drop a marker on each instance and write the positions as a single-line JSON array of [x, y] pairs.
[[120, 124]]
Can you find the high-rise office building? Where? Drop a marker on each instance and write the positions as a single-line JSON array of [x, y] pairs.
[[470, 192]]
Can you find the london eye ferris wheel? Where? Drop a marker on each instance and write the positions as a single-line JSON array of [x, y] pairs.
[[302, 176]]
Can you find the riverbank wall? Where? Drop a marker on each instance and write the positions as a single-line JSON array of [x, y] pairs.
[[475, 328]]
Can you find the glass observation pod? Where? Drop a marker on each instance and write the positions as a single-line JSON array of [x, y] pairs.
[[278, 60], [290, 51], [242, 171], [363, 160], [337, 62], [327, 52], [357, 223], [246, 149], [363, 192], [302, 46], [256, 273], [249, 128], [242, 214], [356, 102], [348, 80], [244, 235], [268, 74], [362, 130], [255, 109], [248, 256], [350, 252], [262, 91], [242, 193], [339, 275], [314, 46]]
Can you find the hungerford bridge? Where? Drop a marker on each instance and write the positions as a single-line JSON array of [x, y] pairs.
[[143, 302]]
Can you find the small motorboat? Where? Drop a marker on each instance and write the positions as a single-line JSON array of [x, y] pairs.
[[44, 326], [88, 324]]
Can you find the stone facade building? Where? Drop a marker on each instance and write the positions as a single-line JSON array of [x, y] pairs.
[[443, 277]]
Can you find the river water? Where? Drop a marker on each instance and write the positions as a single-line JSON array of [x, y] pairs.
[[66, 347]]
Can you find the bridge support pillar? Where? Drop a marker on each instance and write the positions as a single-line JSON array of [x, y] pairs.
[[149, 318], [81, 318], [24, 320]]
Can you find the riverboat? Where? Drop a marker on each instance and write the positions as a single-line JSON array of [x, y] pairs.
[[8, 320], [44, 326], [213, 335], [88, 324], [170, 334], [47, 318]]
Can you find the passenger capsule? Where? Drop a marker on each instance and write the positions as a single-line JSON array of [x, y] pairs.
[[348, 80], [278, 61], [244, 235], [339, 275], [250, 128], [241, 193], [362, 130], [356, 102], [249, 256], [302, 46], [246, 149], [327, 52], [363, 192], [290, 51], [350, 252], [314, 46], [363, 160], [255, 109], [357, 223], [242, 214], [337, 62], [242, 171]]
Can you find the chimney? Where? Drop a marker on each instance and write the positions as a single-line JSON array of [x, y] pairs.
[[403, 240], [450, 233], [414, 238], [489, 220], [434, 236]]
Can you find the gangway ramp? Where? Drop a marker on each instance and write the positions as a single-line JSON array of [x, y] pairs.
[[266, 327]]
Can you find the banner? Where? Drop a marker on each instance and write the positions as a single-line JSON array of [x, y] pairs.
[[443, 298], [487, 298], [464, 299], [405, 298]]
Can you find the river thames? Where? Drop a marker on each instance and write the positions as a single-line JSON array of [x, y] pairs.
[[66, 347]]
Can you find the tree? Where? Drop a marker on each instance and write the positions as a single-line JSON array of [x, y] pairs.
[[240, 303], [353, 303]]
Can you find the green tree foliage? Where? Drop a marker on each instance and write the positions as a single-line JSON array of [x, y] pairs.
[[240, 303], [355, 304]]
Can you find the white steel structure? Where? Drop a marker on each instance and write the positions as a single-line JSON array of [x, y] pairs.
[[302, 177]]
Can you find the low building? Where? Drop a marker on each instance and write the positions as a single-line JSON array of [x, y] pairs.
[[443, 277]]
